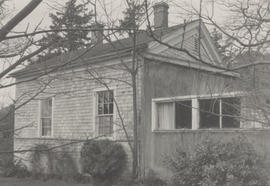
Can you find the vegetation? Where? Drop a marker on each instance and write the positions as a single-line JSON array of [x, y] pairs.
[[103, 160], [54, 164], [13, 168], [73, 16], [152, 179], [217, 163]]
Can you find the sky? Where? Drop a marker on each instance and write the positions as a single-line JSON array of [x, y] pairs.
[[40, 16], [114, 7]]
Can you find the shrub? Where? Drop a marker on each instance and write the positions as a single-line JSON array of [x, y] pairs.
[[82, 178], [103, 159], [215, 163], [14, 168], [65, 167], [152, 179], [42, 161], [53, 164]]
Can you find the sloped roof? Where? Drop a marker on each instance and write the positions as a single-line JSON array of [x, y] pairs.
[[86, 56]]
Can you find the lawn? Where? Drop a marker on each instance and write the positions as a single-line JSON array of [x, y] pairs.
[[33, 182]]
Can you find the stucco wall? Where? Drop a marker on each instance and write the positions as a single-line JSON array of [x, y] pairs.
[[167, 80]]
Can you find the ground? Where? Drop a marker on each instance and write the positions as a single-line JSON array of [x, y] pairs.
[[31, 182]]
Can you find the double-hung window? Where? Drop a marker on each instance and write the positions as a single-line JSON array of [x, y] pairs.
[[46, 117], [105, 112], [196, 113]]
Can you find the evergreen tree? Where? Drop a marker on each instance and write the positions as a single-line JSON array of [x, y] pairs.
[[133, 16], [73, 16]]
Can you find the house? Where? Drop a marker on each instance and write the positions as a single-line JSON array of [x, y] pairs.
[[65, 98]]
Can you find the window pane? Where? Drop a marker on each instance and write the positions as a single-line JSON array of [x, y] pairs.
[[100, 97], [209, 113], [100, 109], [106, 109], [165, 116], [46, 108], [111, 97], [46, 126], [231, 112], [106, 97], [111, 108], [183, 111], [105, 125]]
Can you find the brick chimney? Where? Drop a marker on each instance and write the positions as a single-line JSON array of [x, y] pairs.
[[97, 33], [161, 15]]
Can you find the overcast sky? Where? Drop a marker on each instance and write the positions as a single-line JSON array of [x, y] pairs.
[[114, 7]]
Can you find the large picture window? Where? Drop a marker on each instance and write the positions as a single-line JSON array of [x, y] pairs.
[[105, 112], [46, 117], [195, 113]]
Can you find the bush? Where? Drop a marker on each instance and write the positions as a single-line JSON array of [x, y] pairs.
[[218, 164], [14, 168], [103, 159], [65, 168], [82, 178], [53, 164], [42, 161], [152, 179]]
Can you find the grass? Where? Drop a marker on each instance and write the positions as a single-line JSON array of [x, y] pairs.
[[33, 182]]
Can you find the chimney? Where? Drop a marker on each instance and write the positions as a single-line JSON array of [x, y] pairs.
[[97, 33], [161, 15]]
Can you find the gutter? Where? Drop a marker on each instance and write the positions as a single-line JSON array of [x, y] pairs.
[[190, 64]]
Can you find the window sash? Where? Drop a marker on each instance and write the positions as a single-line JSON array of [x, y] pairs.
[[105, 113], [105, 102], [105, 125], [46, 117], [195, 113], [46, 126]]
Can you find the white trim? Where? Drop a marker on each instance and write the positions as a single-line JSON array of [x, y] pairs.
[[220, 114], [95, 132], [203, 96], [154, 115], [195, 115], [53, 107], [112, 88], [38, 119]]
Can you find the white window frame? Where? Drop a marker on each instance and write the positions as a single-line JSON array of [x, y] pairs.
[[195, 122], [39, 118], [95, 110]]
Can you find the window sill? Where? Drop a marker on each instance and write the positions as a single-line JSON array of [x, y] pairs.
[[46, 137], [210, 130]]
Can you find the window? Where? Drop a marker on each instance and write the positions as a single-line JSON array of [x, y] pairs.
[[174, 115], [46, 117], [105, 113], [221, 112]]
